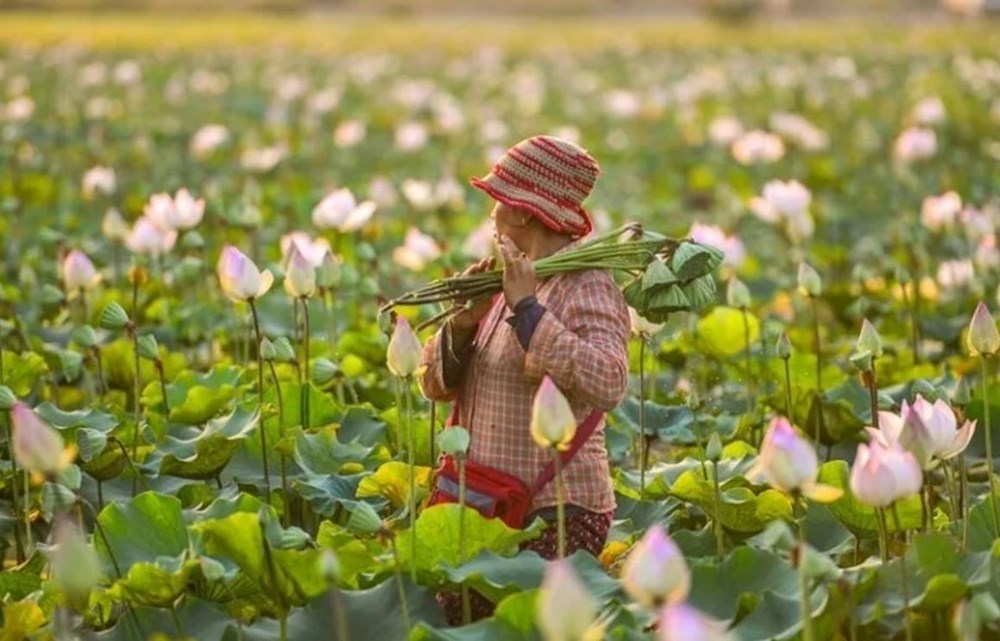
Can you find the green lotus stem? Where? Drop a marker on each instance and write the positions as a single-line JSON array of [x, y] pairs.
[[339, 613], [925, 505], [411, 464], [963, 480], [136, 403], [177, 623], [642, 416], [466, 605], [286, 513], [83, 306], [788, 390], [906, 586], [399, 584], [163, 386], [102, 383], [807, 626], [950, 484], [989, 448], [560, 508], [260, 400], [751, 405], [817, 346], [883, 534], [399, 411], [331, 316], [283, 627], [720, 549], [305, 365], [273, 574], [914, 339], [15, 500], [872, 383], [129, 462]]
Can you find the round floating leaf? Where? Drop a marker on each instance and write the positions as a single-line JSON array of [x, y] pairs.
[[208, 451], [141, 530]]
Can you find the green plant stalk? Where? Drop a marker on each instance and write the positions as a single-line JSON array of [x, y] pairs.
[[818, 347], [906, 586], [883, 535], [788, 390], [137, 405], [807, 626], [399, 411], [269, 563], [913, 322], [950, 483], [560, 508], [339, 613], [873, 395], [751, 393], [15, 500], [399, 584], [260, 400], [466, 605], [720, 549], [286, 513], [163, 386], [103, 385], [989, 447], [642, 416], [925, 504], [411, 464], [305, 365], [964, 499]]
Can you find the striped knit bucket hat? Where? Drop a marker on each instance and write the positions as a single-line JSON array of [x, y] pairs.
[[547, 177]]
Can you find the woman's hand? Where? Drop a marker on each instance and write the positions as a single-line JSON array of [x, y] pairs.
[[469, 318], [519, 279]]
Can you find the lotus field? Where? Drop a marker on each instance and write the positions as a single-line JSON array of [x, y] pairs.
[[210, 423]]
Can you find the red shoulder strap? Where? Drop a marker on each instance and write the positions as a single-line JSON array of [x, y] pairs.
[[583, 434]]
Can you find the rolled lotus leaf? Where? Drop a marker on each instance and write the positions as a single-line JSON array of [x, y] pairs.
[[691, 260], [658, 274], [669, 299], [701, 291]]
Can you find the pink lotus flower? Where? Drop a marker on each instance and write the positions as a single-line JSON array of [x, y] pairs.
[[261, 160], [785, 203], [566, 611], [339, 210], [655, 571], [682, 622], [938, 212], [300, 276], [207, 140], [789, 463], [553, 423], [915, 143], [382, 192], [883, 475], [404, 352], [987, 253], [349, 133], [113, 226], [411, 136], [147, 238], [417, 251], [983, 337], [187, 212], [724, 130], [99, 180], [928, 111], [730, 245], [956, 274], [78, 273], [479, 243], [313, 250], [37, 447], [799, 130], [757, 147], [239, 277]]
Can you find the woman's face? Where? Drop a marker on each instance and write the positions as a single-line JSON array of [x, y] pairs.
[[513, 223]]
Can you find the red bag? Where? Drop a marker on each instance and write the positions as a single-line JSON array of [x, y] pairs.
[[497, 494]]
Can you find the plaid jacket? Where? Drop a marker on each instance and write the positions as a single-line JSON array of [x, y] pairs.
[[581, 342]]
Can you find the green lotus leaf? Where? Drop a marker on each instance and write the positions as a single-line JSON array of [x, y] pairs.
[[322, 453], [323, 408], [777, 616], [700, 292], [740, 510], [657, 275], [722, 332], [357, 557], [18, 582], [195, 398], [22, 371], [671, 298], [206, 452], [147, 529], [513, 620], [325, 493], [675, 424], [157, 585], [691, 260], [719, 589]]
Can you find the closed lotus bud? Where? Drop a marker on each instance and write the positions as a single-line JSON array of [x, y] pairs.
[[300, 277], [329, 565], [552, 421], [84, 336], [737, 294], [786, 460], [323, 371], [863, 361], [239, 277], [882, 475], [783, 348], [267, 351], [284, 352], [983, 337], [869, 340], [713, 451], [75, 566], [655, 571], [7, 398], [114, 317], [78, 273], [683, 622], [962, 393], [403, 355], [641, 326], [809, 280], [113, 226], [328, 273], [454, 440], [566, 610], [37, 447], [147, 347]]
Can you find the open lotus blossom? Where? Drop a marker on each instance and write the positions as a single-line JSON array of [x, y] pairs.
[[987, 253], [479, 243], [757, 147], [788, 462], [928, 111], [417, 251], [411, 136], [926, 430], [312, 249], [404, 352], [425, 196], [552, 421], [882, 475], [78, 273], [263, 159], [641, 326], [977, 223], [147, 238], [983, 337], [187, 211], [382, 192], [349, 133], [566, 611], [113, 226], [682, 622], [785, 203], [207, 139], [915, 143], [339, 210], [730, 245], [956, 274], [158, 211], [797, 129], [655, 571], [938, 212], [300, 276], [99, 180], [37, 447], [724, 130], [240, 278]]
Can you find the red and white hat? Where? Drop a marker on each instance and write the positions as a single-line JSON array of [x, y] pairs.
[[547, 177]]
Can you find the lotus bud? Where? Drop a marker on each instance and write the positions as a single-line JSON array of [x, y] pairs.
[[84, 336], [78, 272], [284, 352], [300, 277], [329, 565], [114, 317], [552, 421], [683, 622], [783, 348], [404, 353], [655, 571], [454, 441], [882, 475], [962, 393], [328, 274], [71, 364], [37, 447], [323, 371], [809, 281], [7, 398], [863, 362], [869, 340], [239, 277], [75, 566], [267, 351], [983, 337], [713, 451], [147, 347], [737, 294], [113, 226], [566, 610], [364, 519], [788, 463]]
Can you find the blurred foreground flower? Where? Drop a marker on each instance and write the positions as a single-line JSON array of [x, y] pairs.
[[78, 273], [655, 571], [682, 622], [37, 446], [566, 611], [553, 424]]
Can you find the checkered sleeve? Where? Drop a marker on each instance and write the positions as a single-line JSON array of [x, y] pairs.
[[584, 347], [432, 379]]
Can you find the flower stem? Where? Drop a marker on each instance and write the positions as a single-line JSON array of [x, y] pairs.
[[807, 626], [818, 347], [466, 605], [305, 365], [281, 457], [788, 390], [883, 535], [137, 406], [163, 386], [260, 400], [913, 322], [873, 395], [906, 587], [642, 416], [751, 408], [399, 412], [399, 585], [560, 508], [989, 448], [411, 464], [717, 521], [963, 490], [18, 541]]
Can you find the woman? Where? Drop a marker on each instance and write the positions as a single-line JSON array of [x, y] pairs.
[[572, 327]]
